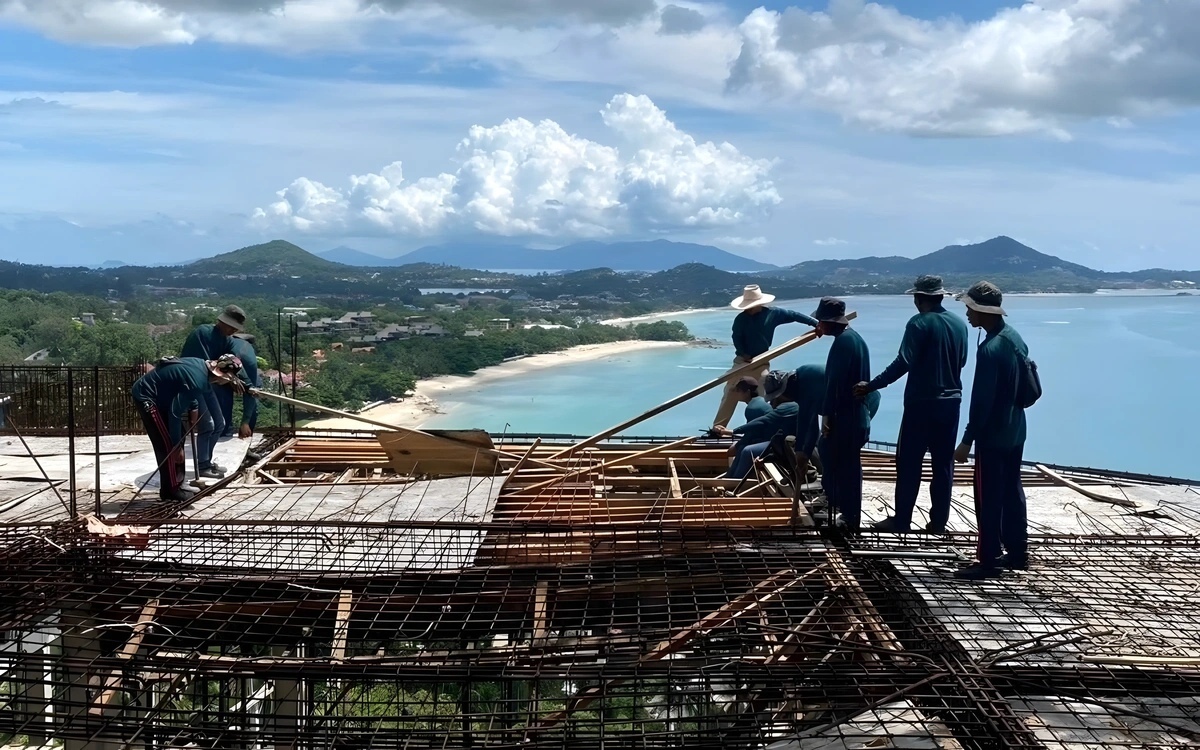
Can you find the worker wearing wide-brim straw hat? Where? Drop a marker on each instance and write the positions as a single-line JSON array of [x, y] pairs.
[[753, 334]]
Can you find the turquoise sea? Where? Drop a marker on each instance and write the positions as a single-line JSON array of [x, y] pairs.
[[1118, 372]]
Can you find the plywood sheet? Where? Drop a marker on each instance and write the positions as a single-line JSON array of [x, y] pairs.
[[415, 454]]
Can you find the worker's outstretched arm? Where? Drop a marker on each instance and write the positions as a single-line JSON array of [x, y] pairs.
[[910, 346]]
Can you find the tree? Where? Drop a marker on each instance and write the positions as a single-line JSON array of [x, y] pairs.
[[109, 344], [10, 353], [53, 333]]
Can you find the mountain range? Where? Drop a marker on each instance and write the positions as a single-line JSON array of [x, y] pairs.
[[280, 267], [654, 255], [998, 256]]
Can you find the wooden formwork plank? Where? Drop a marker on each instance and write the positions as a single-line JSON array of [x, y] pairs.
[[111, 684]]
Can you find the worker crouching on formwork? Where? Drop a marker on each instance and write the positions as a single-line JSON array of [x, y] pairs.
[[177, 380]]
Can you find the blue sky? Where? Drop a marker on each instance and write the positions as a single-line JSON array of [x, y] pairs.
[[163, 130]]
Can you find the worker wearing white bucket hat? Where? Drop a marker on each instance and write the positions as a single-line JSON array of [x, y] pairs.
[[753, 333]]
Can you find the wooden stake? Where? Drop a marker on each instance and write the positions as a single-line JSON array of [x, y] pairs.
[[112, 683], [778, 351], [341, 628], [676, 493]]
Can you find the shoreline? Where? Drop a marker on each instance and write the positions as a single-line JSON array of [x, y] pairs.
[[422, 404], [659, 316]]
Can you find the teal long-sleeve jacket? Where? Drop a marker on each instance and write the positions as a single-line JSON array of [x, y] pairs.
[[756, 408], [754, 334], [848, 363], [249, 375], [207, 342], [172, 387], [807, 388], [996, 420], [933, 354]]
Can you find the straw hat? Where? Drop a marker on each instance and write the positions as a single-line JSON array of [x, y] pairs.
[[752, 296]]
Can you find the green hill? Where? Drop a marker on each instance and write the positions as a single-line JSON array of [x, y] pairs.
[[274, 258]]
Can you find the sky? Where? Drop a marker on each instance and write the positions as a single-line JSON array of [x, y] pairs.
[[155, 131]]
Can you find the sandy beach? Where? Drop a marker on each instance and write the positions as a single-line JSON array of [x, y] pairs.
[[650, 318], [422, 405]]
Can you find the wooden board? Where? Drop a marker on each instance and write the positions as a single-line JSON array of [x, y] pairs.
[[410, 453]]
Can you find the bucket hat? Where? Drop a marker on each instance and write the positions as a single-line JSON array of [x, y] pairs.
[[930, 286], [234, 317], [775, 384], [831, 310], [984, 297]]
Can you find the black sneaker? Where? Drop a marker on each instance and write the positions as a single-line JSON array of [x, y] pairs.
[[1013, 562], [177, 496], [212, 472], [889, 526], [849, 529], [931, 528], [977, 572]]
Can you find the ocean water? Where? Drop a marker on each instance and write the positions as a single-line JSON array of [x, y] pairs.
[[1118, 373]]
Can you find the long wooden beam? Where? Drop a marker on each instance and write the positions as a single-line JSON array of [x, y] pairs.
[[778, 351], [461, 444]]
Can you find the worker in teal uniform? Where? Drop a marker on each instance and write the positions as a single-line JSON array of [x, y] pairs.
[[996, 427], [804, 387], [757, 406], [845, 419], [243, 349], [175, 380], [932, 354], [754, 437], [753, 334], [208, 342]]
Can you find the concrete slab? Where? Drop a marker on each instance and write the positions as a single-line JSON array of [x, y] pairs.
[[10, 445], [1062, 510], [126, 463]]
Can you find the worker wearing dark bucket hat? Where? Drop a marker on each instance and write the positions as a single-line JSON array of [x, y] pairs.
[[831, 310], [234, 318], [209, 342], [984, 297], [996, 427], [845, 420], [928, 286], [932, 354]]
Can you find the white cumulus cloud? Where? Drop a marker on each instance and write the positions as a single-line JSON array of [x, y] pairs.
[[521, 178], [1029, 69], [829, 242], [313, 23]]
